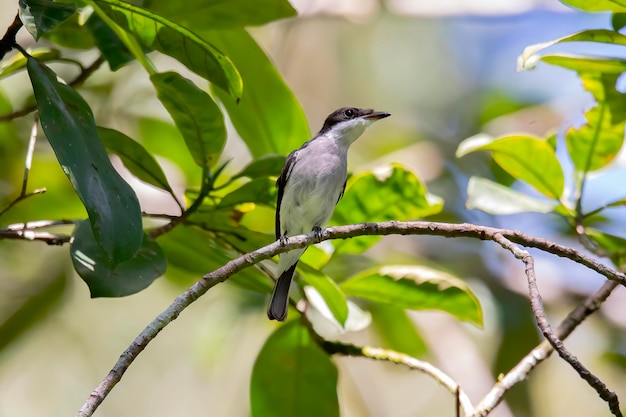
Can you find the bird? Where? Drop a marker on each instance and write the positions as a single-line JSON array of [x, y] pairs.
[[310, 185]]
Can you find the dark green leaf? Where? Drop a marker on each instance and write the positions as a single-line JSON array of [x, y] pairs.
[[134, 156], [264, 166], [416, 288], [398, 195], [220, 14], [196, 115], [618, 21], [17, 62], [527, 158], [397, 330], [114, 279], [292, 376], [159, 33], [329, 290], [493, 198], [113, 50], [69, 125], [41, 16], [260, 190], [268, 118]]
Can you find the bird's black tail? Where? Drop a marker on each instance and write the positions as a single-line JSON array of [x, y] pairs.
[[279, 303]]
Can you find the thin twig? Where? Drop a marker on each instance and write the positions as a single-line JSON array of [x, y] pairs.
[[340, 232], [542, 351], [76, 82], [537, 307]]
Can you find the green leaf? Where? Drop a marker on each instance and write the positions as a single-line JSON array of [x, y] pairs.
[[72, 34], [268, 118], [530, 57], [391, 192], [264, 166], [618, 21], [220, 14], [114, 279], [135, 157], [196, 115], [527, 158], [416, 287], [17, 62], [41, 16], [577, 63], [595, 145], [69, 125], [113, 50], [615, 246], [493, 198], [292, 376], [329, 290], [597, 5], [158, 33], [397, 330], [200, 252], [260, 190]]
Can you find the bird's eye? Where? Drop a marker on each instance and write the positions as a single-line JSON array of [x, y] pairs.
[[349, 113]]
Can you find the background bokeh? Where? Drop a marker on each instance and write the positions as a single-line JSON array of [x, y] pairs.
[[446, 70]]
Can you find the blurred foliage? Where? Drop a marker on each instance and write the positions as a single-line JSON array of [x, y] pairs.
[[221, 72]]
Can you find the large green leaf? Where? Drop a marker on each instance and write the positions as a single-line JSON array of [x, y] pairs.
[[329, 290], [493, 198], [597, 5], [196, 115], [268, 118], [292, 376], [17, 62], [397, 330], [596, 144], [260, 190], [41, 16], [220, 14], [527, 158], [114, 279], [391, 192], [264, 166], [135, 157], [417, 288], [69, 125], [576, 62], [72, 33], [159, 33]]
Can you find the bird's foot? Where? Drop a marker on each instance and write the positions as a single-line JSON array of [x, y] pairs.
[[283, 239], [318, 233]]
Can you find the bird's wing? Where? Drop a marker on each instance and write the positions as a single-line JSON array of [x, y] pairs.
[[281, 182], [342, 190]]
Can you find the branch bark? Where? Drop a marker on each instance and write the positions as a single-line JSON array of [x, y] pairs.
[[340, 232]]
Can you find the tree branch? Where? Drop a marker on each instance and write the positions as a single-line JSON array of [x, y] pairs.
[[340, 232], [8, 40]]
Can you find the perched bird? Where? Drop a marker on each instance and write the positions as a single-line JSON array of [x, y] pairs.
[[310, 185]]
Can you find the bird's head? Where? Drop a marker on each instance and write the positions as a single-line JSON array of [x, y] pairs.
[[348, 123]]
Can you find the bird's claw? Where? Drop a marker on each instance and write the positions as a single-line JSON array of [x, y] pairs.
[[283, 239], [318, 233]]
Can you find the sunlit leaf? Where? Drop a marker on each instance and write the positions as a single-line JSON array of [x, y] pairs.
[[390, 192], [292, 376], [41, 16], [416, 287], [264, 166], [134, 157], [493, 198], [324, 321], [159, 33], [260, 190], [69, 125], [331, 293], [597, 5], [268, 118], [114, 279], [576, 63], [219, 14], [527, 158], [17, 62], [196, 115]]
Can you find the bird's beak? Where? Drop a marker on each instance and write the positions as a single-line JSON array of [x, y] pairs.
[[377, 115]]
